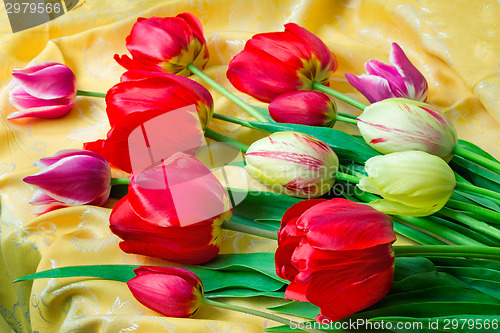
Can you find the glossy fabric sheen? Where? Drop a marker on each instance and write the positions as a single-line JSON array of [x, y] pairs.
[[455, 47]]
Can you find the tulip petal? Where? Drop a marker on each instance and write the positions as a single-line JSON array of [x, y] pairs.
[[48, 83], [49, 160], [374, 88], [56, 111], [315, 45], [186, 274], [264, 81], [329, 225], [398, 208], [298, 209], [74, 180], [416, 83], [39, 210], [169, 295], [40, 198]]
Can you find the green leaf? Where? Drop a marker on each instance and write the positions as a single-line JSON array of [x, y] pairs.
[[264, 112], [462, 262], [466, 231], [261, 262], [488, 287], [475, 149], [471, 272], [408, 266], [348, 148], [423, 280], [121, 273], [214, 280], [415, 235], [259, 207], [239, 292], [301, 309], [484, 201], [475, 173]]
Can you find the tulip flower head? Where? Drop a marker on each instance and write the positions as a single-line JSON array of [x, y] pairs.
[[47, 90], [171, 291], [304, 107], [173, 211], [278, 62], [399, 124], [384, 81], [70, 177], [337, 255], [293, 163], [166, 44], [412, 183], [157, 104]]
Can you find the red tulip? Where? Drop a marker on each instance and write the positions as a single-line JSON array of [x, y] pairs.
[[171, 291], [166, 44], [172, 211], [336, 254], [304, 107], [153, 114], [278, 62]]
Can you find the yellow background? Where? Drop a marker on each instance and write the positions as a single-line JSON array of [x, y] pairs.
[[455, 44]]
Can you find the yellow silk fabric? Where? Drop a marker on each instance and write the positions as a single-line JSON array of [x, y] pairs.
[[455, 44]]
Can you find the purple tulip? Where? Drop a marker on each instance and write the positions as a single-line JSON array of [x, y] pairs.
[[68, 178], [47, 90], [385, 81]]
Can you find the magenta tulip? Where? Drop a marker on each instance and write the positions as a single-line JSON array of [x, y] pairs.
[[384, 81], [171, 291], [70, 177], [47, 90]]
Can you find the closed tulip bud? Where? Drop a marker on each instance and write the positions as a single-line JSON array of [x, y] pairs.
[[399, 124], [278, 62], [166, 44], [47, 90], [293, 163], [304, 107], [384, 81], [337, 255], [70, 177], [171, 291], [412, 183]]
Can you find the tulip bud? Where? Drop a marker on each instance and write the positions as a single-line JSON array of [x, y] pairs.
[[171, 291], [304, 107], [412, 183], [166, 44], [398, 124], [293, 163], [47, 90], [337, 255], [70, 177], [384, 81], [278, 62]]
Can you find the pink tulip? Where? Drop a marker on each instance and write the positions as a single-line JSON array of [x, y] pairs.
[[384, 81], [47, 90], [68, 178], [171, 291], [304, 107]]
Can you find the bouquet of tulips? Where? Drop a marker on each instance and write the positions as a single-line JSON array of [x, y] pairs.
[[335, 201]]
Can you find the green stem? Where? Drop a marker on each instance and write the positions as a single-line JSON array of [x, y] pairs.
[[480, 252], [249, 230], [119, 181], [226, 93], [345, 177], [90, 93], [343, 97], [254, 313], [347, 115], [476, 189], [491, 216], [485, 162], [346, 119], [439, 230], [471, 222], [232, 120], [211, 134]]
